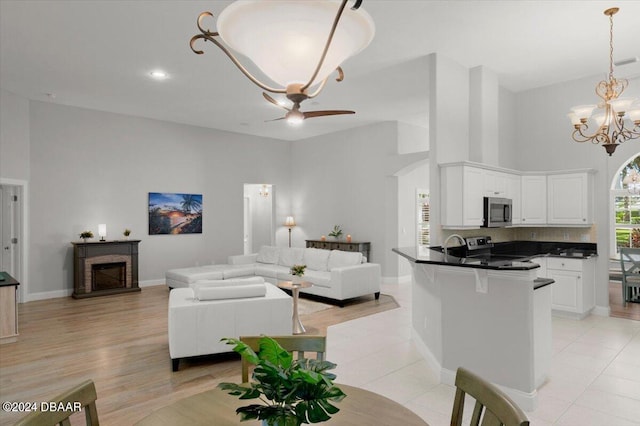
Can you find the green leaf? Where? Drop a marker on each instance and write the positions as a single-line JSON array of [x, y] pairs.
[[243, 349], [271, 351]]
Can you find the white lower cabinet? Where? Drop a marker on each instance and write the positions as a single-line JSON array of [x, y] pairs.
[[573, 292]]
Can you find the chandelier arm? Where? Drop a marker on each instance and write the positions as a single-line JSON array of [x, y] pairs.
[[209, 35], [327, 45], [322, 84], [356, 5]]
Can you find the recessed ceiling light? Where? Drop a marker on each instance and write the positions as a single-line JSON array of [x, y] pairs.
[[159, 75]]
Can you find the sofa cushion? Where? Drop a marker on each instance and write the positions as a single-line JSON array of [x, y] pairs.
[[290, 256], [234, 271], [270, 271], [339, 259], [229, 292], [193, 274], [268, 254], [316, 259], [319, 278]]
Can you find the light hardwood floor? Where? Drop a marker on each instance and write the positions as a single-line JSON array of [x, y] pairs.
[[121, 343]]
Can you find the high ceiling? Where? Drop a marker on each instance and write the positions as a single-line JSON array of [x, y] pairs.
[[98, 54]]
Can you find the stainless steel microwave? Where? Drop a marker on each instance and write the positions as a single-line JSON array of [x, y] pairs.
[[497, 212]]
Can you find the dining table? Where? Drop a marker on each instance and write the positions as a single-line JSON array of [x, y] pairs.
[[217, 407]]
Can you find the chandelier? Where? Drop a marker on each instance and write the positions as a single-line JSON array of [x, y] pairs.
[[632, 180], [297, 44], [617, 119], [264, 191]]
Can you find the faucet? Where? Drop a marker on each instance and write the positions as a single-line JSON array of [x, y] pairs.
[[446, 242]]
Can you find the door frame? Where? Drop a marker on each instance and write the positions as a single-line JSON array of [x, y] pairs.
[[22, 234]]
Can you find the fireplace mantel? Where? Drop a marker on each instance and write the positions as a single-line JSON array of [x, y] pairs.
[[88, 254]]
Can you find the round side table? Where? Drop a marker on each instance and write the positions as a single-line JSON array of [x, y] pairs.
[[295, 287]]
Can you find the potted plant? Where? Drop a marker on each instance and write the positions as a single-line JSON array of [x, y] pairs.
[[292, 392], [336, 233], [85, 235], [126, 233], [297, 271]]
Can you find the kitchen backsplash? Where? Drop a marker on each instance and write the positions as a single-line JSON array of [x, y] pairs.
[[498, 235]]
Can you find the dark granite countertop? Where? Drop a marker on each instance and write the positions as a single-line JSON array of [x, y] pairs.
[[512, 255]]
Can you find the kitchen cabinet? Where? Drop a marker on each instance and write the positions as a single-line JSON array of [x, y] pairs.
[[462, 191], [494, 183], [534, 200], [569, 199], [573, 293], [513, 191]]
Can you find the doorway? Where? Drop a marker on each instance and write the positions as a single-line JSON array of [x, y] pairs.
[[13, 233], [259, 216]]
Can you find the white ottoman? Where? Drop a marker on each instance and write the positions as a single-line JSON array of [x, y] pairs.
[[196, 326]]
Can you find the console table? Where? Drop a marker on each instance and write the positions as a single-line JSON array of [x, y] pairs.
[[362, 247], [8, 308], [105, 267]]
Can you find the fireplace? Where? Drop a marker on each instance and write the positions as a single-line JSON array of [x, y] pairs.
[[105, 267], [106, 276]]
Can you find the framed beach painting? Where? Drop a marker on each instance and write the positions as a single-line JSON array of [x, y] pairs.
[[171, 213]]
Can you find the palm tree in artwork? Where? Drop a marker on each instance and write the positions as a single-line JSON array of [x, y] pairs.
[[190, 203]]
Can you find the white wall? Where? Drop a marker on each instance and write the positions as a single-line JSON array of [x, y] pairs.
[[344, 178], [14, 136], [90, 167]]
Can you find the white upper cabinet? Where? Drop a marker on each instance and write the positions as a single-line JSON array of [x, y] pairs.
[[534, 200], [462, 192], [514, 192], [538, 198], [494, 183], [569, 199]]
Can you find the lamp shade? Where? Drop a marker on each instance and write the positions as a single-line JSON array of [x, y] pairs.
[[102, 230], [290, 221], [285, 39]]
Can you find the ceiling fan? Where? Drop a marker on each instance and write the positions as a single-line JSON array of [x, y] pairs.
[[295, 116], [288, 41]]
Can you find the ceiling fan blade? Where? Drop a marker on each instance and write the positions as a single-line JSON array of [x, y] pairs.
[[273, 101], [312, 114], [275, 119]]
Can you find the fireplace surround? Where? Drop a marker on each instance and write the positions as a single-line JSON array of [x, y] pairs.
[[105, 267]]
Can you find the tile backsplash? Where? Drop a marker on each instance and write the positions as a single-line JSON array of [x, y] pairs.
[[498, 235]]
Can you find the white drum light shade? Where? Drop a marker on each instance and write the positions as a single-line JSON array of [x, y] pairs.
[[285, 39]]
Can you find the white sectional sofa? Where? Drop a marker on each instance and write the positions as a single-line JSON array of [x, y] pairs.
[[335, 274], [205, 312]]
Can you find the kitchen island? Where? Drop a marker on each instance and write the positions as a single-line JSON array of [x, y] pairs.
[[491, 316]]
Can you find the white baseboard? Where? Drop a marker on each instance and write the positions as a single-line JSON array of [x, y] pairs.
[[43, 295], [32, 297], [151, 283]]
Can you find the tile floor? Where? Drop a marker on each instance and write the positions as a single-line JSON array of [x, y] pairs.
[[594, 379]]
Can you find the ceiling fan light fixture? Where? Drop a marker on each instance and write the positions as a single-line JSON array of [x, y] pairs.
[[285, 39], [294, 118]]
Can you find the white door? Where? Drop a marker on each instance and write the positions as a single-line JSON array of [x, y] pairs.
[[6, 229]]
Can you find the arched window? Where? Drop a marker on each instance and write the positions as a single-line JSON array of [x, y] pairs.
[[626, 202]]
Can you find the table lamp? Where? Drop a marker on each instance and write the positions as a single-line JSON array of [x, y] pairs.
[[102, 231]]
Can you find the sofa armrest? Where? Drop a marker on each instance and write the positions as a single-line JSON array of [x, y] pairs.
[[242, 259], [353, 281]]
